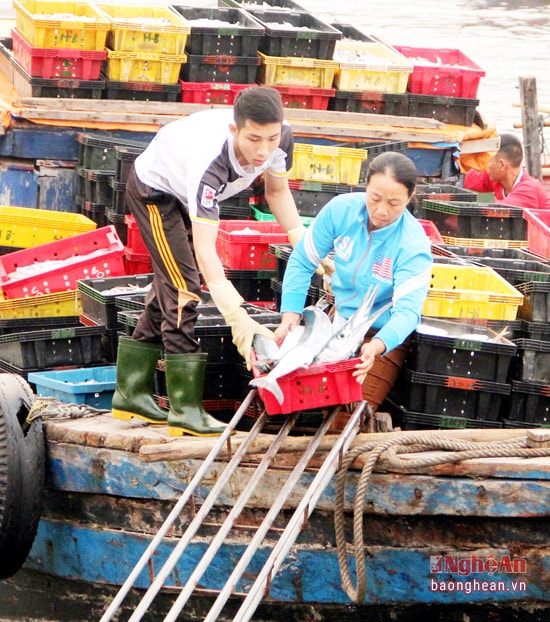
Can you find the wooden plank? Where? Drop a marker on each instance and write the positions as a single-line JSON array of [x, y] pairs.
[[480, 145]]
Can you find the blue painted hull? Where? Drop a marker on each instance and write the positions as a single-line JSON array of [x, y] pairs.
[[411, 521]]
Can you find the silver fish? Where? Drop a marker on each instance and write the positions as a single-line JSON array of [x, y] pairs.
[[316, 326], [346, 342], [268, 353]]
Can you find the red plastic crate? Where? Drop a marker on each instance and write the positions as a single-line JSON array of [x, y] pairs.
[[438, 71], [210, 92], [303, 97], [137, 263], [134, 241], [318, 386], [248, 251], [538, 231], [431, 231], [86, 263], [57, 62]]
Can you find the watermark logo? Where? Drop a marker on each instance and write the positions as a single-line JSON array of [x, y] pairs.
[[473, 564]]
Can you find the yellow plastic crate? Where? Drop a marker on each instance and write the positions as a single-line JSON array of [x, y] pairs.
[[296, 71], [337, 165], [470, 292], [61, 304], [485, 243], [59, 24], [146, 28], [144, 67], [24, 227], [383, 70]]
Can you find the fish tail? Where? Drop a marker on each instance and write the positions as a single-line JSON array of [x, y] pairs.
[[270, 385]]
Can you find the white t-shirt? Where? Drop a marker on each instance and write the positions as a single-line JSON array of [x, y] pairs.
[[194, 160]]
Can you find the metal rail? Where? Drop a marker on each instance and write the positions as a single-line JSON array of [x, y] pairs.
[[176, 511], [286, 539]]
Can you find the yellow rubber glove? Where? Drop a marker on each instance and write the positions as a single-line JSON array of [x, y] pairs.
[[243, 327], [295, 235]]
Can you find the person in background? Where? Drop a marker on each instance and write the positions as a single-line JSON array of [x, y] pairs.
[[507, 179], [376, 241], [173, 191]]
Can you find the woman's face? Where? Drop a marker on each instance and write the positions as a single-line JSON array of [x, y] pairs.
[[386, 200]]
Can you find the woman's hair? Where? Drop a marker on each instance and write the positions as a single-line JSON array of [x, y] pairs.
[[261, 104], [401, 168]]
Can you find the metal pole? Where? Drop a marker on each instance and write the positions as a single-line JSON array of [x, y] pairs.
[[302, 512], [176, 511]]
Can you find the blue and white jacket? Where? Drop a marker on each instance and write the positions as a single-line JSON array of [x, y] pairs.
[[397, 258]]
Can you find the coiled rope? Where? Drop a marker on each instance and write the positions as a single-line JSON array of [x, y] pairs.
[[391, 450]]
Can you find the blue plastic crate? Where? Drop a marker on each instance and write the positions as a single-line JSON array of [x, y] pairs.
[[93, 386]]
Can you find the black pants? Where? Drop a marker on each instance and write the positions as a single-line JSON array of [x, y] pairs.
[[170, 311]]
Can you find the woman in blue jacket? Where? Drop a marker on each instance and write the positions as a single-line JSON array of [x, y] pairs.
[[375, 241]]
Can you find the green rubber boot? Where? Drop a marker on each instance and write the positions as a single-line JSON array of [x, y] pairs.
[[184, 383], [135, 381]]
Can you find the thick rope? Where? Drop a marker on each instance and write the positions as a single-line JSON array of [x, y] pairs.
[[51, 408], [390, 450]]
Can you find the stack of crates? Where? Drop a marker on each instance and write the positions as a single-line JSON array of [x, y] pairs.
[[455, 376], [102, 160], [443, 84], [221, 54], [145, 51], [530, 398], [464, 223], [39, 312], [296, 56], [244, 249], [58, 49], [371, 76]]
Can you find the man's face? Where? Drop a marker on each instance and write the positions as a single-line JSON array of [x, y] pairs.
[[255, 142], [495, 167]]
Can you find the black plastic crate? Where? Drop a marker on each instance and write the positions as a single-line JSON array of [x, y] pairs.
[[313, 293], [409, 420], [99, 297], [238, 35], [99, 152], [478, 253], [141, 91], [253, 285], [220, 68], [454, 110], [452, 396], [374, 148], [536, 301], [311, 196], [371, 103], [124, 159], [44, 349], [273, 5], [460, 349], [96, 185], [459, 219], [539, 331], [295, 34], [66, 88], [94, 211], [282, 254], [439, 192], [118, 201], [236, 207], [532, 362], [529, 403], [18, 325], [517, 271]]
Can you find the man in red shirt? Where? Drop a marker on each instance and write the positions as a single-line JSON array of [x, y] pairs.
[[506, 177]]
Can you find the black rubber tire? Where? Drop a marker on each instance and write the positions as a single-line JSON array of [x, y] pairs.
[[22, 468]]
